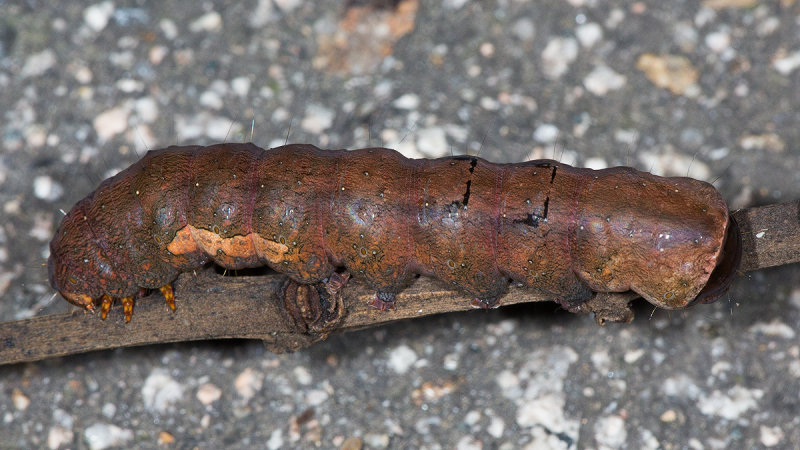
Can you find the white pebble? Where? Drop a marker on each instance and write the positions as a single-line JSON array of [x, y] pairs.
[[632, 356], [610, 431], [20, 400], [58, 436], [128, 85], [496, 427], [770, 436], [718, 41], [241, 86], [288, 5], [211, 99], [248, 383], [432, 141], [730, 405], [160, 391], [210, 21], [454, 4], [316, 397], [302, 375], [787, 64], [147, 109], [595, 163], [208, 393], [775, 328], [524, 29], [111, 122], [262, 13], [169, 28], [108, 410], [558, 55], [406, 101], [317, 119], [46, 188], [589, 34], [103, 435], [546, 133], [275, 440], [38, 63], [401, 359], [97, 15], [603, 79]]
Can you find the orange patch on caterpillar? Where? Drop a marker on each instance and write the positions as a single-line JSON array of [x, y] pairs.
[[190, 239]]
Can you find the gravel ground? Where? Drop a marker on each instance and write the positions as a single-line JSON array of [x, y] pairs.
[[707, 88]]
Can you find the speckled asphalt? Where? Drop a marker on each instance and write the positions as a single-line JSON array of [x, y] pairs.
[[707, 88]]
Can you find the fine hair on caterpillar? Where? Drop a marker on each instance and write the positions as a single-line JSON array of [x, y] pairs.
[[305, 212]]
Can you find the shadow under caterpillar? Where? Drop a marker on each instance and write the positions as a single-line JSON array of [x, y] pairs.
[[564, 231]]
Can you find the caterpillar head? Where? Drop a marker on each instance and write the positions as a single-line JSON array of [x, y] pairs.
[[75, 267]]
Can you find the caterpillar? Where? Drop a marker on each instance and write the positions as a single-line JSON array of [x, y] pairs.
[[305, 212]]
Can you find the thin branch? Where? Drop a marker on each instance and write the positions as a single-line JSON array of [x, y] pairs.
[[248, 307]]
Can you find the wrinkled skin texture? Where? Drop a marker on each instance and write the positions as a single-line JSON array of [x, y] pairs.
[[564, 231]]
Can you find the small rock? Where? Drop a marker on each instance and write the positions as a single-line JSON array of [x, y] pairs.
[[722, 4], [673, 72], [302, 375], [165, 438], [46, 188], [38, 63], [376, 440], [97, 15], [407, 101], [59, 436], [603, 79], [731, 405], [262, 14], [558, 55], [496, 427], [160, 391], [20, 400], [248, 383], [208, 394], [352, 443], [211, 99], [288, 5], [316, 397], [210, 21], [317, 119], [275, 440], [432, 141], [147, 109], [524, 29], [610, 431], [401, 359], [546, 133], [589, 34], [785, 65], [102, 435], [111, 122], [775, 328], [770, 436], [718, 41], [241, 86]]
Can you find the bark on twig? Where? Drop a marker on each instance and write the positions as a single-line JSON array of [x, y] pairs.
[[211, 306]]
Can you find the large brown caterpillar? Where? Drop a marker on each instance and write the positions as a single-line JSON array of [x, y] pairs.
[[565, 231]]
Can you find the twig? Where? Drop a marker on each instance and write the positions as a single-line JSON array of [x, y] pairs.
[[211, 306]]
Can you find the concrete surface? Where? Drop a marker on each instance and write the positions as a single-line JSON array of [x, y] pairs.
[[708, 88]]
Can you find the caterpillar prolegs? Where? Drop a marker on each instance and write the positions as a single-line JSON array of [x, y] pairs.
[[564, 231]]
